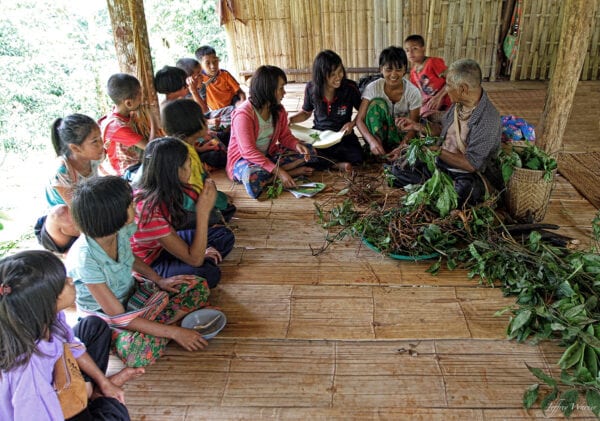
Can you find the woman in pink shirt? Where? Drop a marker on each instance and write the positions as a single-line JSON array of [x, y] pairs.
[[262, 145]]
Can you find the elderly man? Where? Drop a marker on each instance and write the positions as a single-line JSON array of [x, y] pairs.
[[471, 131]]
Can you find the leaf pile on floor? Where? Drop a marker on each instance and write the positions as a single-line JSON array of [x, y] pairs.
[[556, 290]]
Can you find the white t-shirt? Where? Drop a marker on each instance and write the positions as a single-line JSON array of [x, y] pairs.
[[265, 131], [411, 98]]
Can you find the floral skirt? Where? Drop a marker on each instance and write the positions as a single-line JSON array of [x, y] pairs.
[[380, 123], [138, 349]]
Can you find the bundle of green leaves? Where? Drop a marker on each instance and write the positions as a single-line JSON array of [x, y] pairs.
[[557, 297], [557, 290], [436, 193], [529, 157]]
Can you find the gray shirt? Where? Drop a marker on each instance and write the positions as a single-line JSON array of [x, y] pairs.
[[483, 139]]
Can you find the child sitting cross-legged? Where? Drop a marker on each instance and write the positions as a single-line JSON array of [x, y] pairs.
[[385, 102], [37, 346], [127, 130], [262, 146], [218, 85], [332, 96], [174, 236], [218, 120], [184, 120], [143, 312], [171, 81], [428, 74]]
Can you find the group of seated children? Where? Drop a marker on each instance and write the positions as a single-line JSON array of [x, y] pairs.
[[142, 257]]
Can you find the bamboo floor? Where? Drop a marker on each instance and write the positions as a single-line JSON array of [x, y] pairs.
[[351, 335]]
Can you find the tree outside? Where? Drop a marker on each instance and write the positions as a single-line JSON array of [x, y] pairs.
[[56, 57]]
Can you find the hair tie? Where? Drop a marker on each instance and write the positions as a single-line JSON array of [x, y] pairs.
[[5, 290]]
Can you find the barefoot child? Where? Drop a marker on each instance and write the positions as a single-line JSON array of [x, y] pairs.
[[184, 120], [78, 145], [262, 145], [332, 97], [101, 263], [165, 205], [385, 101], [34, 291]]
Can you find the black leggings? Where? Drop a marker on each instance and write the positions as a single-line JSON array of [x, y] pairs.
[[96, 336]]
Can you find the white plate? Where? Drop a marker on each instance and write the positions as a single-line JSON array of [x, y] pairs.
[[326, 138], [203, 316]]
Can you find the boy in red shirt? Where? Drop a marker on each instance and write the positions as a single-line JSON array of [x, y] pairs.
[[122, 141], [427, 74]]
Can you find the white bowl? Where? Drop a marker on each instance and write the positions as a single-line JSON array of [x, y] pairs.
[[204, 316]]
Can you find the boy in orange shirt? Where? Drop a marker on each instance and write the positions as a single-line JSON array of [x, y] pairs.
[[221, 88]]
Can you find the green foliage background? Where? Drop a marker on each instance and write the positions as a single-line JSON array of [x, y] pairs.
[[56, 56]]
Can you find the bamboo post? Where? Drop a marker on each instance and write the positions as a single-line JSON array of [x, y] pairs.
[[575, 36]]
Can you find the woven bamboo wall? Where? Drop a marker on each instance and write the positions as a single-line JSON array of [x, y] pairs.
[[465, 29], [538, 41], [289, 33]]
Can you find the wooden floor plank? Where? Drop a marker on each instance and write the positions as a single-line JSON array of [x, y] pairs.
[[349, 334], [403, 391], [254, 311], [418, 312], [158, 412], [490, 380], [331, 312], [479, 306], [351, 414], [388, 358], [291, 374]]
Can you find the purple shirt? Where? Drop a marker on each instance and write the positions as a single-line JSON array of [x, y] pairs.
[[26, 392]]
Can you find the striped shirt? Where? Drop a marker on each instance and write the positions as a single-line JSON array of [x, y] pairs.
[[154, 224]]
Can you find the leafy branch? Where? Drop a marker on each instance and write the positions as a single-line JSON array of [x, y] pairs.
[[529, 157], [556, 290]]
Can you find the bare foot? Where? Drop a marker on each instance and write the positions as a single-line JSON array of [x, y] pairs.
[[125, 375], [301, 171], [343, 166]]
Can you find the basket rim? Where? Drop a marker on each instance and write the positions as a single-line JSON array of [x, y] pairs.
[[530, 170]]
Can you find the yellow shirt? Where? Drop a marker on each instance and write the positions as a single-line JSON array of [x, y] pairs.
[[198, 175]]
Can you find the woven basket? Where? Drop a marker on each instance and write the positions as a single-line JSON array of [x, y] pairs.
[[518, 145], [528, 194]]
